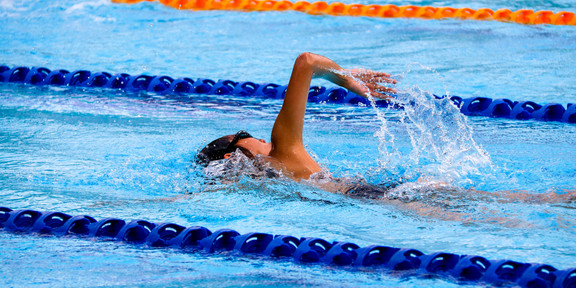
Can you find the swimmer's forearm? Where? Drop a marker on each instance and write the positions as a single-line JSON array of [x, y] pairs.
[[329, 70], [360, 81]]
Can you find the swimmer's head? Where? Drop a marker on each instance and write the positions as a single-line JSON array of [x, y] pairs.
[[217, 149]]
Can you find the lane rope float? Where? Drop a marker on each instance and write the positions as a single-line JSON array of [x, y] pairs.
[[465, 269], [178, 87], [522, 16]]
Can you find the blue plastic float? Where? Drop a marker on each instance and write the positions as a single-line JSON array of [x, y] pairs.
[[165, 85], [465, 269]]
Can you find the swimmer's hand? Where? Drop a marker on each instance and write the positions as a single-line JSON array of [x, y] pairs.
[[367, 82]]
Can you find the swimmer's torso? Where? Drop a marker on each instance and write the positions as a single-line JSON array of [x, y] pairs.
[[270, 167]]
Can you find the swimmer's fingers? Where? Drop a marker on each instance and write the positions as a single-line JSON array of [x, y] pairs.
[[378, 95], [375, 81], [381, 96], [380, 77], [370, 83], [376, 87], [369, 76]]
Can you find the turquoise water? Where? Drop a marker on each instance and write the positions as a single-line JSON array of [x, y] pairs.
[[105, 153]]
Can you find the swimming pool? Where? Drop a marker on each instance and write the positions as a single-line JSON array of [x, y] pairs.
[[105, 153]]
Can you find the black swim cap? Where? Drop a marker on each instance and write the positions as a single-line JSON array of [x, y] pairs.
[[216, 149]]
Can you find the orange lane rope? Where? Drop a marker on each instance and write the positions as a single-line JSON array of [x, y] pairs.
[[523, 16]]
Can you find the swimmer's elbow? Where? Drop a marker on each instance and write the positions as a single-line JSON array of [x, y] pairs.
[[318, 65], [305, 60]]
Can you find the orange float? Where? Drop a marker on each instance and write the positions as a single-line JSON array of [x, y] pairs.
[[250, 5], [428, 12], [543, 17], [184, 4], [372, 11], [171, 3], [409, 11], [355, 9], [389, 11], [234, 4], [483, 14], [283, 5], [318, 8], [564, 18], [523, 16], [445, 12], [301, 6], [465, 13], [196, 4], [217, 5], [336, 8], [504, 15], [265, 5]]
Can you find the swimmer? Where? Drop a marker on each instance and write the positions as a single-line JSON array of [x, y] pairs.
[[285, 152]]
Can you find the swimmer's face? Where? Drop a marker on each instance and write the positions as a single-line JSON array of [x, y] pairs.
[[254, 146], [223, 147]]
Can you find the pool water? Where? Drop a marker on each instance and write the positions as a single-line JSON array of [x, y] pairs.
[[107, 153]]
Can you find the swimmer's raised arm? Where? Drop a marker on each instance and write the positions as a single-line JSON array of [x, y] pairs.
[[287, 144], [290, 120]]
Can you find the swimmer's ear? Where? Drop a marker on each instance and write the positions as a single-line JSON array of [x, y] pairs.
[[227, 155]]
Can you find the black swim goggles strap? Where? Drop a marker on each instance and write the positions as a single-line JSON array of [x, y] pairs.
[[239, 136]]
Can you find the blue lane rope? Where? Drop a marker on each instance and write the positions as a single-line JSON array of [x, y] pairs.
[[165, 85], [466, 269]]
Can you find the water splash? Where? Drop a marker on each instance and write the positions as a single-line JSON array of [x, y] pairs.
[[441, 144]]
